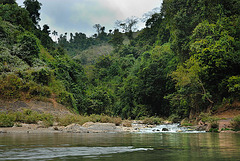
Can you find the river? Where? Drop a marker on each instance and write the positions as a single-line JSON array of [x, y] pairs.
[[121, 146]]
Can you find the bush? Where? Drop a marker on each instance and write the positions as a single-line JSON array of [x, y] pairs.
[[27, 48], [10, 86], [33, 118], [236, 123], [152, 120], [186, 122], [206, 117], [70, 119], [106, 119], [42, 76], [38, 90], [174, 118], [67, 99], [6, 120], [117, 121], [47, 119]]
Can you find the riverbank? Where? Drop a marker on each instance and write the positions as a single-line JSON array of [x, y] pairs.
[[88, 127], [51, 117]]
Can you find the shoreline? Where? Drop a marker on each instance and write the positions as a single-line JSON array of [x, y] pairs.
[[88, 127]]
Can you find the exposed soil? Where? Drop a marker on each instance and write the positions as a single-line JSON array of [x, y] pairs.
[[51, 106], [226, 114]]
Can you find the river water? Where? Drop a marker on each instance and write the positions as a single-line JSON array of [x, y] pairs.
[[142, 146]]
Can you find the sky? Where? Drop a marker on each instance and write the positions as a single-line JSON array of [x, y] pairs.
[[80, 15]]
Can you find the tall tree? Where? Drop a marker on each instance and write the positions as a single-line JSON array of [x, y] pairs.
[[55, 33], [46, 29], [98, 28], [33, 7], [128, 26]]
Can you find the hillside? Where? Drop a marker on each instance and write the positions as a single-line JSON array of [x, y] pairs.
[[32, 69], [90, 55], [185, 62]]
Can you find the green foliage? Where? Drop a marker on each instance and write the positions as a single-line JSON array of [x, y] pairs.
[[25, 116], [11, 63], [67, 99], [27, 48], [4, 2], [10, 87], [191, 91], [117, 39], [16, 15], [206, 117], [152, 120], [43, 76], [236, 123], [185, 61], [33, 7], [79, 119], [174, 118], [186, 122], [234, 85], [6, 120]]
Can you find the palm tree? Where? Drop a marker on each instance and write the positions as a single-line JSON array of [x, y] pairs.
[[55, 33]]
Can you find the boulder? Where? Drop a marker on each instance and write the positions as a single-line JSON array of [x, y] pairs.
[[165, 129], [75, 128]]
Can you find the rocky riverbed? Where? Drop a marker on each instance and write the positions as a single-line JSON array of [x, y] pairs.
[[88, 127]]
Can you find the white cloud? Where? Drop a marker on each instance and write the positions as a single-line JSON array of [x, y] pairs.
[[80, 15]]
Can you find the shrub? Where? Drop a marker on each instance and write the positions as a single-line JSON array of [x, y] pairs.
[[70, 119], [10, 86], [206, 117], [95, 118], [152, 120], [38, 90], [236, 123], [117, 121], [67, 99], [47, 119], [186, 122], [105, 119], [174, 118], [33, 118], [27, 48], [42, 76], [6, 120]]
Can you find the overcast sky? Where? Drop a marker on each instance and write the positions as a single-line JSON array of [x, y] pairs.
[[80, 15]]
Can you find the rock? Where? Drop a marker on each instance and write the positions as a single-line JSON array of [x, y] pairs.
[[88, 124], [167, 122], [103, 127], [75, 128], [201, 128], [3, 132], [165, 129]]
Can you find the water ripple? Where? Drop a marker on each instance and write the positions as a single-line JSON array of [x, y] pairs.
[[58, 152]]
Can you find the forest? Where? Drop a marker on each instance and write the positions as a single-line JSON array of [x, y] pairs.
[[185, 61]]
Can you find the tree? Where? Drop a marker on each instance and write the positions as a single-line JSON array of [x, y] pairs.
[[46, 29], [7, 2], [98, 28], [190, 88], [128, 26], [55, 33], [33, 7], [117, 39], [16, 15], [27, 47]]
